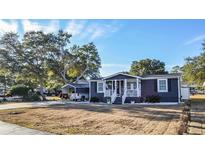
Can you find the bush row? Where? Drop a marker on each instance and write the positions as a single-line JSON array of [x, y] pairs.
[[150, 99], [27, 93]]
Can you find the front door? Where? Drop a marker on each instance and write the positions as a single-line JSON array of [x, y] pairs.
[[120, 88]]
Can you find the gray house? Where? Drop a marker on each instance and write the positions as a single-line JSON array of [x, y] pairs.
[[122, 88]]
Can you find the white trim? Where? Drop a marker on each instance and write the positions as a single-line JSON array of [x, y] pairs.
[[65, 86], [116, 86], [120, 74], [160, 77], [89, 91], [97, 87], [137, 81], [95, 80], [179, 90], [104, 87], [158, 90]]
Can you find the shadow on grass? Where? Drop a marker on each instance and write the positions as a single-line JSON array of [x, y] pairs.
[[158, 113]]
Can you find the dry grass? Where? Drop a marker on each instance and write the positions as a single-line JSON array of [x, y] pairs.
[[53, 98], [198, 97], [97, 119]]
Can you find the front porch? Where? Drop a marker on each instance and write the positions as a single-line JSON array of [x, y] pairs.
[[121, 89]]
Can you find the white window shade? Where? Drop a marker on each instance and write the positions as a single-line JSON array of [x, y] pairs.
[[100, 87], [162, 85]]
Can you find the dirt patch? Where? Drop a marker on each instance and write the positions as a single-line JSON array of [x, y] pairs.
[[97, 119]]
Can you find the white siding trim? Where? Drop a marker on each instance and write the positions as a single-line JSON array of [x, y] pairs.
[[158, 85], [161, 77], [179, 90], [89, 90]]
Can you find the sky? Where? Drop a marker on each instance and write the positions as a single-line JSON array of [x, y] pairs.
[[119, 42]]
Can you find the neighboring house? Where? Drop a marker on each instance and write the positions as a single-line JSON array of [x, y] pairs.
[[77, 91], [122, 88]]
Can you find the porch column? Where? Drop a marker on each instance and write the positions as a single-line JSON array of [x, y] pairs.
[[137, 81], [125, 86], [119, 87], [112, 88], [104, 87], [115, 86]]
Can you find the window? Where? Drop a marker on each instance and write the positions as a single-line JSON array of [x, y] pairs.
[[100, 88], [162, 85]]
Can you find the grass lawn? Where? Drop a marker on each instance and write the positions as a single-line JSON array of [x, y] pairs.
[[53, 98], [198, 101], [97, 119]]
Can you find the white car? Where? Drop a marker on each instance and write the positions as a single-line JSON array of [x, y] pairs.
[[78, 96]]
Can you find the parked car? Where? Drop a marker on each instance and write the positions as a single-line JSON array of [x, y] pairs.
[[200, 92], [77, 97]]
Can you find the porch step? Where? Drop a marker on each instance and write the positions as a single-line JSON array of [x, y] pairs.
[[118, 100]]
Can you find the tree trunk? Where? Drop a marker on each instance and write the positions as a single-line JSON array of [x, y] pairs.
[[81, 75], [41, 90], [64, 77]]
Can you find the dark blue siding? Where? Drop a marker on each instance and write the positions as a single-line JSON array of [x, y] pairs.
[[94, 92], [149, 87], [82, 90]]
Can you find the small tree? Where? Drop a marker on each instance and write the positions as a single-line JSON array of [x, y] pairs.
[[176, 69]]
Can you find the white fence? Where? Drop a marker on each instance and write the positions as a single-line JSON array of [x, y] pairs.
[[185, 93]]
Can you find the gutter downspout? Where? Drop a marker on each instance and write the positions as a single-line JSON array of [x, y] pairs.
[[179, 90], [89, 91]]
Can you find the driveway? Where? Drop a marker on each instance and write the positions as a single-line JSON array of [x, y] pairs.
[[12, 129], [28, 104]]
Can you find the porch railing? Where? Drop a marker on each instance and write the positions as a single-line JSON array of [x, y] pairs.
[[108, 93], [113, 97], [131, 93], [124, 97]]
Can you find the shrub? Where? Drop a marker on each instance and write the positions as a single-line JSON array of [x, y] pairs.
[[94, 99], [188, 103], [182, 128], [20, 90], [152, 99], [26, 92], [32, 96], [141, 99]]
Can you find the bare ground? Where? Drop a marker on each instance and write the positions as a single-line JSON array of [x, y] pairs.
[[97, 119]]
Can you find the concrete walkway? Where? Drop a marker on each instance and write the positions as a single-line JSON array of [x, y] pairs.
[[29, 104], [12, 129]]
